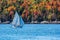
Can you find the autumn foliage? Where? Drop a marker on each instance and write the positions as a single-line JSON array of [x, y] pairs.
[[31, 6]]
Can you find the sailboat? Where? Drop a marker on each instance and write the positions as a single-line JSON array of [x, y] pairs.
[[17, 21]]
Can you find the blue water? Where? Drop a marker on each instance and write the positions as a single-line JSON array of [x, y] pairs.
[[30, 32]]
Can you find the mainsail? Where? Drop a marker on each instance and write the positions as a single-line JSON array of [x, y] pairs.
[[17, 21]]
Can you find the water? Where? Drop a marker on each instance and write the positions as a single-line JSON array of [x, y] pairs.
[[30, 32]]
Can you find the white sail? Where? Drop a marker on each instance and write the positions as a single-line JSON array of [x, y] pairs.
[[16, 20]]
